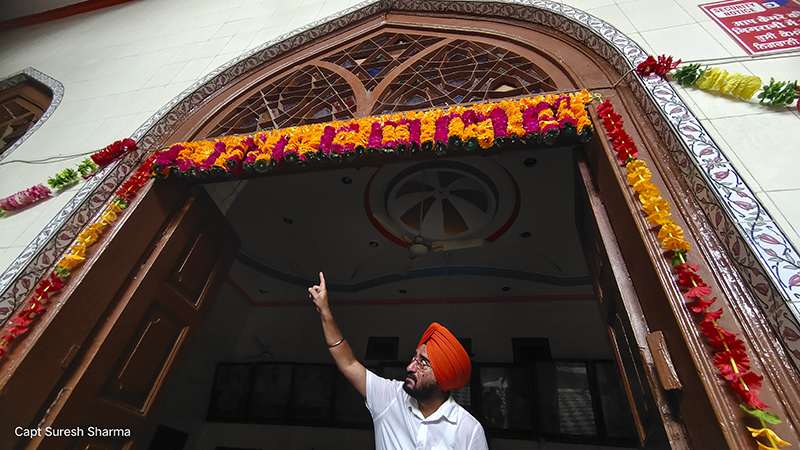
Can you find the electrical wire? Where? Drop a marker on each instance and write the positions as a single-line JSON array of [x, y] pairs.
[[50, 159]]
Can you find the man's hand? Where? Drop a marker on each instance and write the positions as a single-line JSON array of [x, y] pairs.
[[340, 350], [319, 295]]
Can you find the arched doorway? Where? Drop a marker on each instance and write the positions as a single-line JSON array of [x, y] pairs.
[[707, 410]]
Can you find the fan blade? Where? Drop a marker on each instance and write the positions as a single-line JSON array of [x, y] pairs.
[[391, 227], [407, 266], [446, 246]]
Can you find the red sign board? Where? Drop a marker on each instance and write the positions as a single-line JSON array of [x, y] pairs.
[[759, 26]]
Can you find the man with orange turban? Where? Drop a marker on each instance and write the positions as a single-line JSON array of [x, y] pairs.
[[418, 413]]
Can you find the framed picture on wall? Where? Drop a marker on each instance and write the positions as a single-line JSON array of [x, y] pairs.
[[230, 393], [312, 392], [272, 385]]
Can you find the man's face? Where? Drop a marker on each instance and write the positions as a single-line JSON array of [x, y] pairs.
[[420, 382]]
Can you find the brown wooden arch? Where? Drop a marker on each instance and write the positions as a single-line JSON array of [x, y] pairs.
[[545, 72]]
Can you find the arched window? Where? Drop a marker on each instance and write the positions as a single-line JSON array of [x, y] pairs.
[[21, 106], [384, 71]]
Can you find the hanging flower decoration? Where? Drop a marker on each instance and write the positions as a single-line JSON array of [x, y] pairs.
[[730, 356], [63, 179], [67, 177], [76, 254], [779, 93], [534, 121], [23, 199], [660, 67], [113, 151], [742, 87]]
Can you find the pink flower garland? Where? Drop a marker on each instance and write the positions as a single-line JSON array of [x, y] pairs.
[[25, 198]]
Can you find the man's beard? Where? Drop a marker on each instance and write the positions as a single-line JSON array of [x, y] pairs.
[[419, 392]]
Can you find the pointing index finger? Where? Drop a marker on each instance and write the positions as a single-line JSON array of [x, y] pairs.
[[321, 281]]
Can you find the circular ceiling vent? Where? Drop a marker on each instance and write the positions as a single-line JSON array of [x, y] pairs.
[[472, 198]]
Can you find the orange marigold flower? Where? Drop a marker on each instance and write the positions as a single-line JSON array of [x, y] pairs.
[[484, 108], [457, 110], [116, 208], [428, 124], [767, 433], [646, 190], [456, 127], [639, 175], [635, 164], [660, 217], [485, 134], [582, 122], [109, 216], [563, 112], [653, 204], [670, 230], [389, 134], [671, 237], [403, 133], [70, 261], [514, 114], [78, 249], [671, 243], [471, 131]]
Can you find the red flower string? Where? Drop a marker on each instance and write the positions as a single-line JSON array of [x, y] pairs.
[[37, 304], [730, 359], [113, 151], [660, 67]]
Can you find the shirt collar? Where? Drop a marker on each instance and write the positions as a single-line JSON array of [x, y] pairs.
[[447, 410]]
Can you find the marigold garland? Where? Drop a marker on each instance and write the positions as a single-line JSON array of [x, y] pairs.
[[538, 120], [77, 253], [730, 359]]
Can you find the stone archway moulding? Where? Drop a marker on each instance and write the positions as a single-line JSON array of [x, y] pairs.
[[749, 234]]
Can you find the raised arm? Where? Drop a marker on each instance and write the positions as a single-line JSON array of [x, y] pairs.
[[340, 350]]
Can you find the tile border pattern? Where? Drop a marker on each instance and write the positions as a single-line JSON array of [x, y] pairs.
[[51, 83], [766, 259]]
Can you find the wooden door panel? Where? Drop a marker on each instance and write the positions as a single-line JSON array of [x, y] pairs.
[[620, 308], [146, 360], [137, 346], [192, 270]]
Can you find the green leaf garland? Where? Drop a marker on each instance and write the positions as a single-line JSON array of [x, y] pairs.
[[778, 93], [63, 179]]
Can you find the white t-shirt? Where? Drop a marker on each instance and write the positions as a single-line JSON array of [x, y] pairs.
[[399, 425]]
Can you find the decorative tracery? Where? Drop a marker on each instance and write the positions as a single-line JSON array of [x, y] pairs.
[[372, 59], [462, 72], [388, 72], [308, 95]]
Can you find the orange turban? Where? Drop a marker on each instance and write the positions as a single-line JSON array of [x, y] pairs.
[[449, 360]]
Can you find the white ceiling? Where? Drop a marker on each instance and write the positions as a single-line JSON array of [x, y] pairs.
[[331, 231]]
